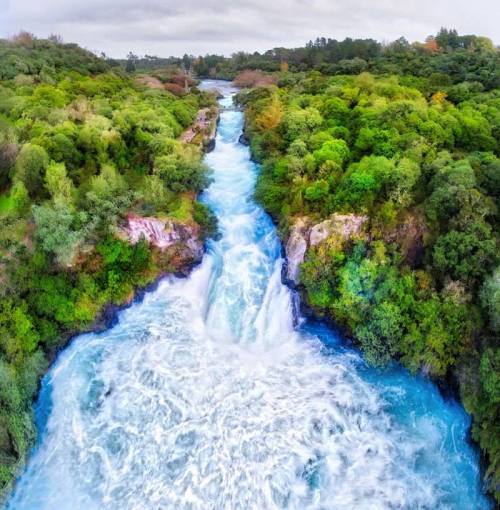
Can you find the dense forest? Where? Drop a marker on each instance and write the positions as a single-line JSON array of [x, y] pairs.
[[81, 146], [440, 61], [412, 160], [445, 59]]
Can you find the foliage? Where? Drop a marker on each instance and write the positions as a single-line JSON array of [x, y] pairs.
[[31, 165], [443, 61], [490, 295], [179, 173], [207, 220], [26, 55]]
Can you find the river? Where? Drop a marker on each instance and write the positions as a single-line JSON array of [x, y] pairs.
[[206, 395]]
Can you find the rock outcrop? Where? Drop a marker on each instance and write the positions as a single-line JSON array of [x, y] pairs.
[[295, 249], [343, 226], [243, 139], [209, 144], [303, 234], [165, 234], [410, 236], [204, 129]]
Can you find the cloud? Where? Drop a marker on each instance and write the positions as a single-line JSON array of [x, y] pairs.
[[174, 27]]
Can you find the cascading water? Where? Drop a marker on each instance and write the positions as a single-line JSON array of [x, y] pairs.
[[204, 396]]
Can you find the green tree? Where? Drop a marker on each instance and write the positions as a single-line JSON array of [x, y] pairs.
[[364, 182], [317, 191], [465, 255], [59, 230], [381, 335], [58, 184], [336, 151], [31, 164], [18, 335], [181, 173], [490, 296]]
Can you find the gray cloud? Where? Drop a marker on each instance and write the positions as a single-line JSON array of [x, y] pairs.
[[174, 27]]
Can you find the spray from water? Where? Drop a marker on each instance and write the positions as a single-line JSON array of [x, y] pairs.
[[204, 396]]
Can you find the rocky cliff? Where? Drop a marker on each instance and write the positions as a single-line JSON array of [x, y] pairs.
[[304, 234], [181, 239]]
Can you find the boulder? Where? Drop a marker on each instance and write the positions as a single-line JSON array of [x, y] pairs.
[[209, 144], [243, 139]]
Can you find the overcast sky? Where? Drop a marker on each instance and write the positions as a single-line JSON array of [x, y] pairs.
[[175, 27]]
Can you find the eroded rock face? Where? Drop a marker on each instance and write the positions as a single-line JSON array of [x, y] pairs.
[[165, 234], [296, 249], [343, 226], [303, 235], [409, 235]]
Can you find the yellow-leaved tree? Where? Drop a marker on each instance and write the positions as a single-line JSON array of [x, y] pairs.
[[271, 116]]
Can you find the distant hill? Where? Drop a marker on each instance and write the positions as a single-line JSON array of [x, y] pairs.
[[25, 54]]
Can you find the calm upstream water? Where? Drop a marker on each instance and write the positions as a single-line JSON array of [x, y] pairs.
[[205, 396]]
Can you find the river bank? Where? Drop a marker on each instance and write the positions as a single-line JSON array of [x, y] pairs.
[[176, 245], [106, 319], [202, 132]]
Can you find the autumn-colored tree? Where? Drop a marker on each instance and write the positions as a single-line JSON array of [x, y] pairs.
[[23, 38], [431, 44], [439, 97], [284, 67], [249, 78], [176, 89], [271, 116]]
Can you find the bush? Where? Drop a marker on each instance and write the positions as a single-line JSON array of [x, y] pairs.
[[181, 174], [206, 219], [59, 230], [466, 255]]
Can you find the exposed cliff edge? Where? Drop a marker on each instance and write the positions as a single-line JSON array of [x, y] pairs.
[[304, 234], [181, 241]]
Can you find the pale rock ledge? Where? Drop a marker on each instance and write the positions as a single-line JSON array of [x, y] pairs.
[[164, 233], [303, 235]]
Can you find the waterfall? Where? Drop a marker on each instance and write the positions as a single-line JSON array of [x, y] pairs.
[[206, 396]]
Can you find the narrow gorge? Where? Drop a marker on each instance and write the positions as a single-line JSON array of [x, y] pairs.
[[208, 395]]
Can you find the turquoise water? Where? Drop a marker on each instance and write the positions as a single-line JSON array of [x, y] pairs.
[[206, 396]]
